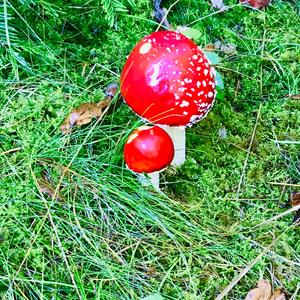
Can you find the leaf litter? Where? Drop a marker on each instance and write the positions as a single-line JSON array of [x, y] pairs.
[[84, 113], [263, 291]]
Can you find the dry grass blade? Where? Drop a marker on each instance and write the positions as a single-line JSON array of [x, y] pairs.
[[294, 97], [289, 211], [248, 151], [10, 151], [235, 280]]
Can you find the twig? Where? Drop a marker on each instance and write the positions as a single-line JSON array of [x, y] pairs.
[[294, 208], [234, 282], [248, 151], [284, 184], [163, 15], [10, 151]]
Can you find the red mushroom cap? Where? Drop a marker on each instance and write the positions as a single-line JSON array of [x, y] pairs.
[[168, 80], [148, 149]]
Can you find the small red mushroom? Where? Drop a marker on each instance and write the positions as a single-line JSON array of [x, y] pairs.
[[168, 80], [148, 149], [258, 4]]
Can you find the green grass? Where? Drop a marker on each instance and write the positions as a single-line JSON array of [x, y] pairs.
[[108, 237]]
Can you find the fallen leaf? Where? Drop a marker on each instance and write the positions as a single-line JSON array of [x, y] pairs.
[[213, 57], [256, 3], [295, 199], [46, 188], [222, 133], [209, 47], [278, 295], [191, 33], [160, 14], [153, 297], [84, 114], [226, 48], [87, 111], [262, 292], [218, 4]]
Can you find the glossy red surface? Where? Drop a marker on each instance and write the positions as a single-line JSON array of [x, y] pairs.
[[168, 80], [148, 149]]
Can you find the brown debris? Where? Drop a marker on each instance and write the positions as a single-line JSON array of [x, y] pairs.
[[84, 114], [87, 111], [46, 188], [264, 292]]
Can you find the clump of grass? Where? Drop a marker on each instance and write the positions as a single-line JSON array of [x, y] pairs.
[[109, 237]]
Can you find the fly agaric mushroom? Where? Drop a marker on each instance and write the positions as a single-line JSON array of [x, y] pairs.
[[149, 150], [168, 81]]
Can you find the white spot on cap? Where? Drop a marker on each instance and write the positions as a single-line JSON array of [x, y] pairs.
[[201, 59], [168, 49], [184, 103], [200, 93], [145, 48], [198, 84], [204, 83], [195, 56], [203, 104], [194, 118], [205, 72], [191, 63], [185, 113], [188, 94], [186, 80], [210, 94], [198, 68]]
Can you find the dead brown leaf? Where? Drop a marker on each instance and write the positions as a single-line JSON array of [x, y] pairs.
[[46, 188], [87, 111], [264, 292], [256, 3], [84, 114], [219, 46], [295, 199], [210, 47], [278, 295]]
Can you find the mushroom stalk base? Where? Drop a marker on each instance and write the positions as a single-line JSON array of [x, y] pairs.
[[150, 179], [177, 134]]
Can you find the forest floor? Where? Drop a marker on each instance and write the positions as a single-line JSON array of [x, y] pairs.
[[76, 224]]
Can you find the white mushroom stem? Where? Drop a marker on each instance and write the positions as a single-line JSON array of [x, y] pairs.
[[177, 134], [150, 179]]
